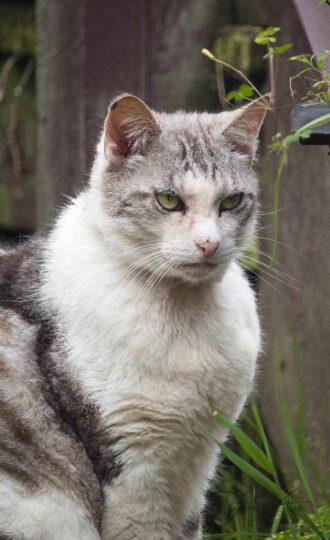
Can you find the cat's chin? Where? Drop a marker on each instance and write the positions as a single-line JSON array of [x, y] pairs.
[[195, 273]]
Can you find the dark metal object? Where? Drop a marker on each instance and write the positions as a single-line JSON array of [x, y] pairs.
[[302, 114]]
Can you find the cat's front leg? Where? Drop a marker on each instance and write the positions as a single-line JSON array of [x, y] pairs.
[[137, 510]]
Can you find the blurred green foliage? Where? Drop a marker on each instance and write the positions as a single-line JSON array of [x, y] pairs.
[[17, 28]]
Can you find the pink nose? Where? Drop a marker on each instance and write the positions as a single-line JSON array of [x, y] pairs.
[[208, 248]]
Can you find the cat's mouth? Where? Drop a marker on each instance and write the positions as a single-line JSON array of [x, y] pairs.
[[198, 266]]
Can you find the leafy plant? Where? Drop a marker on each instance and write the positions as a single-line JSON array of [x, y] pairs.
[[244, 91], [282, 145], [316, 71], [257, 463], [303, 531], [255, 460], [267, 38], [316, 74]]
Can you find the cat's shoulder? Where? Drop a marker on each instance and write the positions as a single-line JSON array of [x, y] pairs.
[[236, 287], [238, 302]]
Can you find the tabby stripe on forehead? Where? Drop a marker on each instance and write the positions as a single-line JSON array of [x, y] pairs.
[[196, 153], [201, 154], [208, 143], [184, 156]]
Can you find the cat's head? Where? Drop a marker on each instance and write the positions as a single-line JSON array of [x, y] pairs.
[[178, 191]]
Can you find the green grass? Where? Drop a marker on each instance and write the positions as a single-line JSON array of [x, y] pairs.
[[253, 501]]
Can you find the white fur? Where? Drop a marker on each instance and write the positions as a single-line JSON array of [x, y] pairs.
[[156, 364]]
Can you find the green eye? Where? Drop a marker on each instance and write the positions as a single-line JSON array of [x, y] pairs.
[[229, 203], [169, 201]]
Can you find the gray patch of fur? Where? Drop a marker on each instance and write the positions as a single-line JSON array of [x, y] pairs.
[[50, 434]]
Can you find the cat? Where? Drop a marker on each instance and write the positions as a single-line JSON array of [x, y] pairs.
[[126, 327]]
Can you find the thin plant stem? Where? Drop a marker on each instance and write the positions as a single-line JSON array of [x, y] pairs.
[[211, 56], [277, 185], [272, 79]]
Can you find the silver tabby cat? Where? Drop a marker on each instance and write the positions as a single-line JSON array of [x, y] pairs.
[[124, 329]]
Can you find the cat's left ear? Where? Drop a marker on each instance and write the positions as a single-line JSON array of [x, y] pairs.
[[128, 129], [242, 132]]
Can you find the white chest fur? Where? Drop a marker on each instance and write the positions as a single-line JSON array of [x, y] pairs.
[[156, 364]]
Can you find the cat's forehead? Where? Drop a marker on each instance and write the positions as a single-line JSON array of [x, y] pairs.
[[196, 138], [193, 154], [194, 122], [192, 135]]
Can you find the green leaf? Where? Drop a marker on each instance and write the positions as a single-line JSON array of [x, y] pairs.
[[320, 84], [261, 431], [320, 60], [246, 90], [261, 39], [271, 30], [246, 443], [266, 36], [304, 58], [326, 96], [283, 48], [234, 94]]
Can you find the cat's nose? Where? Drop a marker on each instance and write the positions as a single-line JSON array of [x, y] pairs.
[[208, 248]]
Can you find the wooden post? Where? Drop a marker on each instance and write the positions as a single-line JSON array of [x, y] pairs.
[[61, 104]]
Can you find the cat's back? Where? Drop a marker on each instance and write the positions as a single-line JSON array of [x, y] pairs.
[[38, 448], [19, 271], [19, 278]]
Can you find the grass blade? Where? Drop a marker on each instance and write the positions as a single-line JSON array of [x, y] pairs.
[[268, 484], [295, 451], [277, 520], [246, 443], [264, 439]]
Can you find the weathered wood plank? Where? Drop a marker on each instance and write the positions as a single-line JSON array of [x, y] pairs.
[[61, 104], [179, 76], [115, 57]]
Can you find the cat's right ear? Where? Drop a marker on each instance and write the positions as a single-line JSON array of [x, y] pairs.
[[128, 129]]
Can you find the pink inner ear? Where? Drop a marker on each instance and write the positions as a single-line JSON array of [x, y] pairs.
[[243, 132], [243, 147], [128, 127], [119, 141], [113, 155], [244, 136]]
